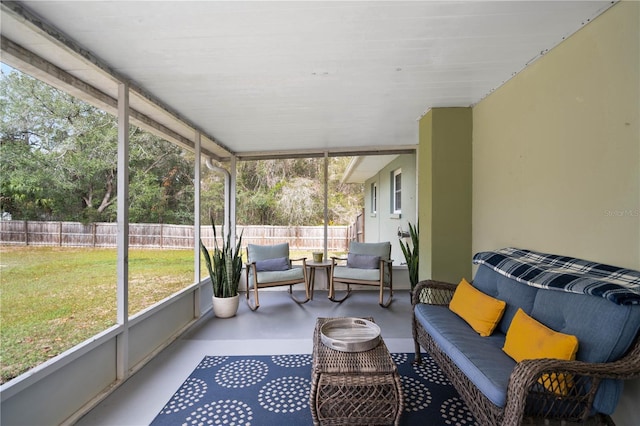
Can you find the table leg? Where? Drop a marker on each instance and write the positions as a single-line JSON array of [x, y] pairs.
[[312, 281]]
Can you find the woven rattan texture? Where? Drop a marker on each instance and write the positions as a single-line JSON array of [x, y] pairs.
[[354, 388], [528, 400]]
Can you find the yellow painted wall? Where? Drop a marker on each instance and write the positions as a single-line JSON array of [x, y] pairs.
[[444, 209], [556, 150], [556, 155]]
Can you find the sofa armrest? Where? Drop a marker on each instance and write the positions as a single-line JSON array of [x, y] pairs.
[[581, 378], [432, 292]]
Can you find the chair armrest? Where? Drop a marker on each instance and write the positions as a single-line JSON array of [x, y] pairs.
[[627, 367], [300, 259], [250, 268], [433, 292], [523, 382], [336, 259]]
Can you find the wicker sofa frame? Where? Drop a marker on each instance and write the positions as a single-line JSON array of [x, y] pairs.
[[527, 401]]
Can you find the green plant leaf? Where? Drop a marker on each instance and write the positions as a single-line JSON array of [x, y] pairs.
[[411, 254], [224, 264]]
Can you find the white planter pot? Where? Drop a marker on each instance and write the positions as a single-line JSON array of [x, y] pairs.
[[226, 307]]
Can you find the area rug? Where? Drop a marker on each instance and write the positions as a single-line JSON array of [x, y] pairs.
[[274, 391]]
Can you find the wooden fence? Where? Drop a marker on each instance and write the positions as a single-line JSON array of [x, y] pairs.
[[356, 229], [141, 235]]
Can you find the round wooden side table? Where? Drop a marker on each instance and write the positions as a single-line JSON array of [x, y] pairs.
[[326, 264]]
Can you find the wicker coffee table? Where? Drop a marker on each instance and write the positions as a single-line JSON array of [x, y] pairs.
[[354, 388]]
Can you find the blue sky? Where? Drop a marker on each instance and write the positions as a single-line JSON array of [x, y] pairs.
[[6, 69]]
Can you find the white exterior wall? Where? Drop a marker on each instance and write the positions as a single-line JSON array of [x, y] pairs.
[[383, 225]]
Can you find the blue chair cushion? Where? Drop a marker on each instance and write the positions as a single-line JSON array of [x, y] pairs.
[[266, 277], [605, 330], [257, 252], [515, 294], [481, 359], [363, 261], [356, 273], [383, 250], [277, 264]]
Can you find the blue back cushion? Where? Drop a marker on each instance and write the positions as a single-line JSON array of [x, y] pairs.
[[277, 264], [256, 252], [515, 294], [383, 250], [605, 331], [363, 261]]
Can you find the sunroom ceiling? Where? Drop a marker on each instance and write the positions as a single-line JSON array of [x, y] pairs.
[[281, 78]]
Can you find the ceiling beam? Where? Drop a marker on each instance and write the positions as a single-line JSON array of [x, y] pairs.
[[342, 152]]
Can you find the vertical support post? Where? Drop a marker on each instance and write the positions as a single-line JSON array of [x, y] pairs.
[[326, 202], [196, 224], [232, 197], [122, 367]]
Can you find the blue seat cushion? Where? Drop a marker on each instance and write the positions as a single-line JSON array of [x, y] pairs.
[[266, 277], [481, 359], [356, 273]]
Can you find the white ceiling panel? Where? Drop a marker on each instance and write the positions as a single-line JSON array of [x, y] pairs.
[[266, 78]]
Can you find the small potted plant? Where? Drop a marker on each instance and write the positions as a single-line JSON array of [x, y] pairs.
[[225, 269], [411, 255]]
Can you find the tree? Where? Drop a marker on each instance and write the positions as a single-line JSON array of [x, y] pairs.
[[58, 161], [291, 192]]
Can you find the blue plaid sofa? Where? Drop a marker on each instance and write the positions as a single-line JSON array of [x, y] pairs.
[[599, 304]]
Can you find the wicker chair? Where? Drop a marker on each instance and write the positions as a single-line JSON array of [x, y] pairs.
[[270, 266], [527, 401], [366, 264]]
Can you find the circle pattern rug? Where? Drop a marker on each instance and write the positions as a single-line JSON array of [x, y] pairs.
[[274, 390]]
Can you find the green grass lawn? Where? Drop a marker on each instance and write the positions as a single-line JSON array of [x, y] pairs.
[[53, 298]]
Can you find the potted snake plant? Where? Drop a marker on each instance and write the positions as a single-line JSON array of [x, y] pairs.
[[411, 255], [224, 264]]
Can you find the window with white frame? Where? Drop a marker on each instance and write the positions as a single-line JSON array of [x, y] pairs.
[[374, 198], [396, 186]]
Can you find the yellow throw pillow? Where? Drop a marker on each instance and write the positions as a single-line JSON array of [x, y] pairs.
[[529, 339], [480, 311]]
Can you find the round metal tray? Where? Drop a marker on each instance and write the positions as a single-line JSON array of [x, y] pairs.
[[350, 334]]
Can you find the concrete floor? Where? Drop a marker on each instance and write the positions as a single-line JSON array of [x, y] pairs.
[[279, 326]]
